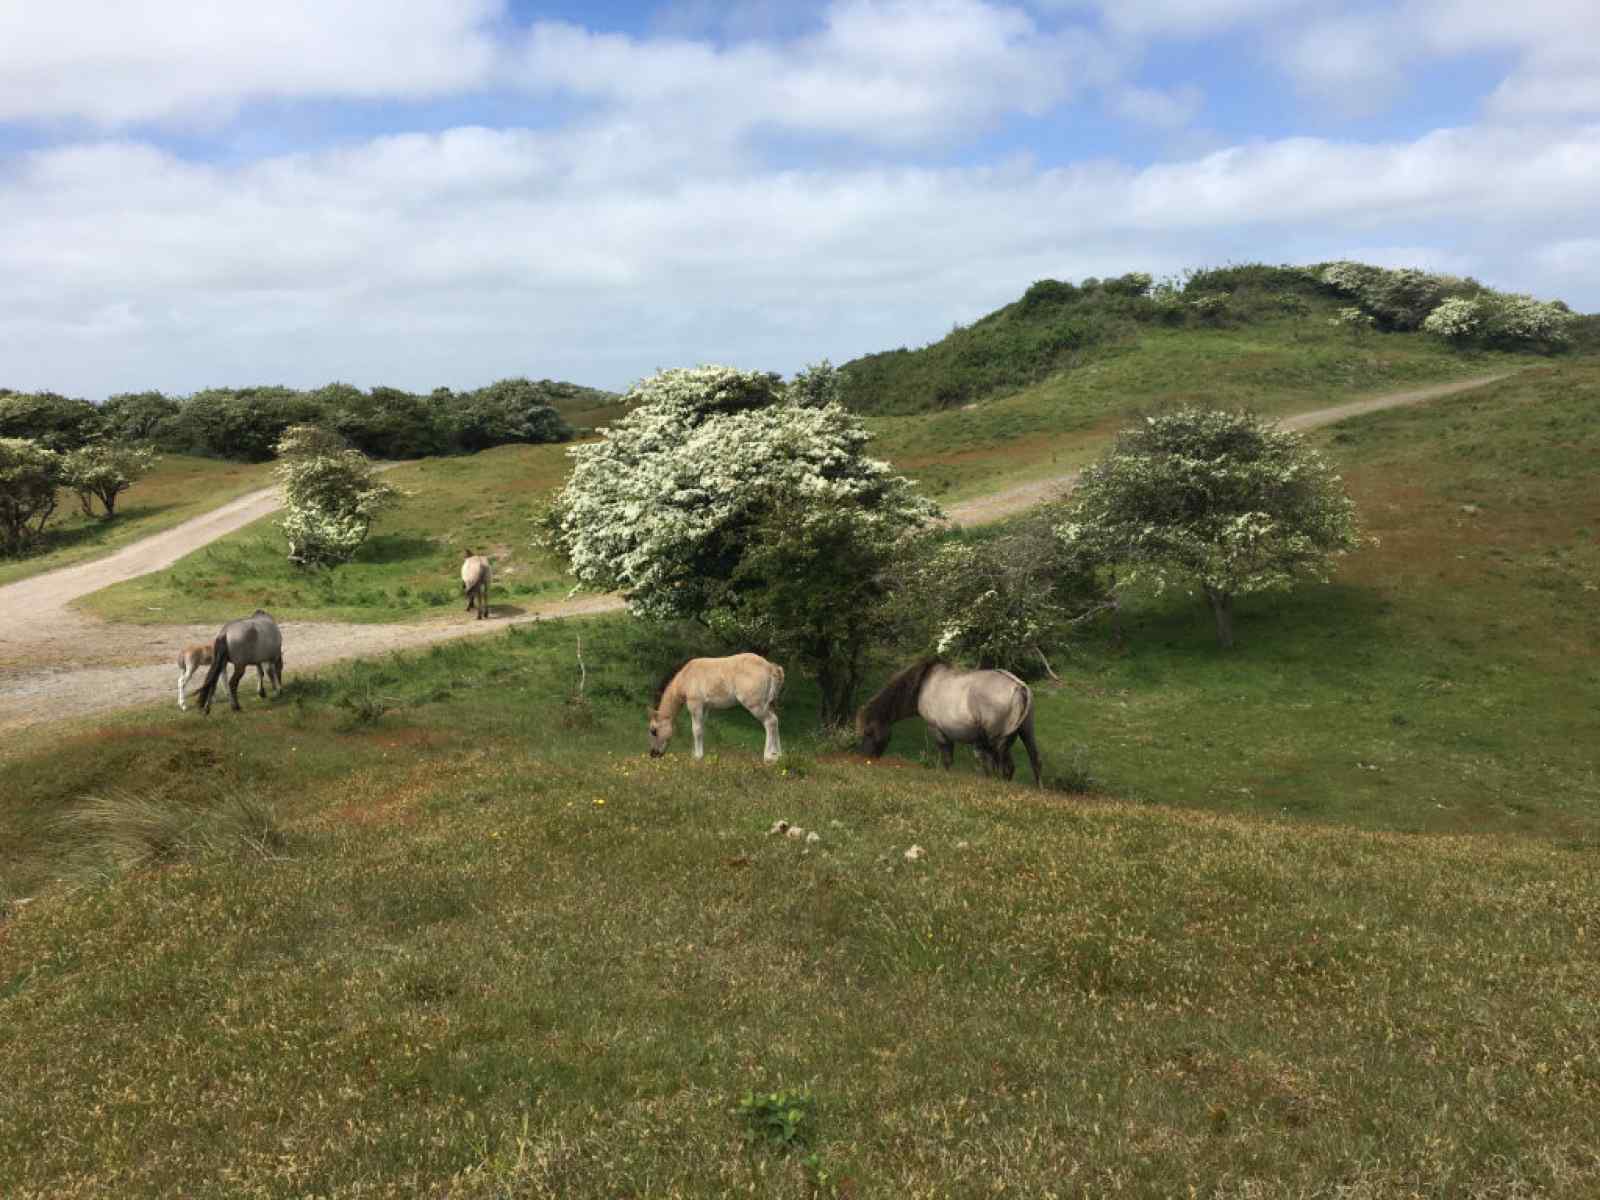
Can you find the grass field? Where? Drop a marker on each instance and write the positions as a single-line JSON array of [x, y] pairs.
[[407, 571], [1276, 366], [409, 568], [180, 487], [430, 925]]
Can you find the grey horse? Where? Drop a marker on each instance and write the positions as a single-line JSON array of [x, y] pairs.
[[476, 575], [989, 709], [249, 641]]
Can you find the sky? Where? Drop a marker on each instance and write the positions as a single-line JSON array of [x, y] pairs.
[[448, 192]]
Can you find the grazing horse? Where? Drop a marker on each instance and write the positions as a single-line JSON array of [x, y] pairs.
[[249, 641], [190, 660], [475, 578], [703, 683], [990, 709]]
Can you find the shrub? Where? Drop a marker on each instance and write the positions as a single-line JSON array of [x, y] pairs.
[[1223, 501], [138, 416], [331, 496], [30, 475], [1001, 601], [724, 497], [103, 472], [53, 422]]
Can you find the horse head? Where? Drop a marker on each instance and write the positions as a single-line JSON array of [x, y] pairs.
[[660, 732], [873, 732]]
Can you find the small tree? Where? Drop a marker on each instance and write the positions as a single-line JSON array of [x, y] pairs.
[[103, 471], [54, 422], [724, 497], [1002, 600], [138, 416], [330, 495], [29, 476], [1223, 501], [811, 587]]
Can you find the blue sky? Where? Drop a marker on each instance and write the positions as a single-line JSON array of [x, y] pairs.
[[451, 191]]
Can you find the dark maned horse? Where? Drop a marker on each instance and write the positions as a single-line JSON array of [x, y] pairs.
[[249, 641], [989, 709]]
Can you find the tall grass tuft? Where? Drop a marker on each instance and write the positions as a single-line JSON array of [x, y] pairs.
[[119, 832]]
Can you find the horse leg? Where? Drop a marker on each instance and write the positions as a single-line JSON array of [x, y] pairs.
[[1032, 747], [277, 673], [233, 684], [947, 751], [183, 680], [697, 721], [1008, 765], [261, 680], [774, 748]]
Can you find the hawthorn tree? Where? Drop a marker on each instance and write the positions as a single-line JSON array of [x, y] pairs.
[[1225, 502], [1001, 600], [103, 471], [29, 476], [725, 497], [330, 496]]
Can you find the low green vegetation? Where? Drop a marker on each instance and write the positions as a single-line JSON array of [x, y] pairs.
[[407, 569], [178, 487], [1058, 326], [1277, 366], [480, 945], [1311, 917]]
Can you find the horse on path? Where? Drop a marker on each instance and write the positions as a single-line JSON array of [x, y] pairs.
[[989, 709], [250, 641], [475, 579], [703, 683]]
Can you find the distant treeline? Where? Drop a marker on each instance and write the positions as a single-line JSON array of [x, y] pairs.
[[1056, 325], [245, 423]]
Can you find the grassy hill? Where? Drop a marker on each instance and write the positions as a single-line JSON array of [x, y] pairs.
[[434, 925], [1036, 387], [408, 569], [181, 486]]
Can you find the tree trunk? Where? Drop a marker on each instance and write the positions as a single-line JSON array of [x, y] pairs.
[[1222, 609]]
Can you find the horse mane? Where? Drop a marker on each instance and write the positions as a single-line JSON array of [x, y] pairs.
[[899, 696], [666, 680]]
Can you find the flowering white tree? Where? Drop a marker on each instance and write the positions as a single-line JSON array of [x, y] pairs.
[[1501, 319], [104, 471], [669, 504], [330, 496], [1222, 501]]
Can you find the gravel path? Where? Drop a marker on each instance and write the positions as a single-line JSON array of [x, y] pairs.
[[56, 663]]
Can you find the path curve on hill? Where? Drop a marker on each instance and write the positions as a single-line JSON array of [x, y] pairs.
[[57, 664]]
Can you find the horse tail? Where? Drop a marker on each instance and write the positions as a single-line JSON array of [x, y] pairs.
[[775, 684], [219, 660]]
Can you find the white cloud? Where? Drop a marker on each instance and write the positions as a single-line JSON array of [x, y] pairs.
[[881, 71], [120, 63], [458, 257], [1179, 18], [1164, 109]]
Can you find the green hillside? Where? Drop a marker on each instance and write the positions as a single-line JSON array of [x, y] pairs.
[[434, 924], [1058, 326]]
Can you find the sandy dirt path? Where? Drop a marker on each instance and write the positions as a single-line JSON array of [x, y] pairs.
[[56, 663], [1013, 500]]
